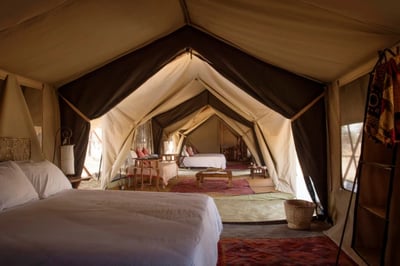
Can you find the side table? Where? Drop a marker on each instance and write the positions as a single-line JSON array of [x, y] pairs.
[[258, 170], [149, 164]]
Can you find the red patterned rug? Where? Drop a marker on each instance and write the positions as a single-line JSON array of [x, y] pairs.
[[239, 186], [319, 250]]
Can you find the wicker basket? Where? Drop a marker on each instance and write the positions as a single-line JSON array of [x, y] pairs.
[[299, 213]]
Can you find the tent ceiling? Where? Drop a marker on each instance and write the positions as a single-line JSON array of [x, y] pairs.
[[56, 41]]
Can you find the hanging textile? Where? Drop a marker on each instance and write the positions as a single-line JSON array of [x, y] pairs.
[[383, 108]]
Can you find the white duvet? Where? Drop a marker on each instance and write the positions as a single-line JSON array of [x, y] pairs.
[[208, 160], [94, 227]]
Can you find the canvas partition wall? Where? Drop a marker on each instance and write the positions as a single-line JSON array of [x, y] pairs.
[[15, 118], [175, 83], [284, 175], [178, 131], [311, 147], [19, 110], [163, 120], [182, 79], [346, 105], [353, 98], [97, 92], [171, 86]]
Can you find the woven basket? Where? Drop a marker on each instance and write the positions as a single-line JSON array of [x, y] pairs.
[[299, 213]]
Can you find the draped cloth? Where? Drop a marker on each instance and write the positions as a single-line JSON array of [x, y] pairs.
[[382, 121]]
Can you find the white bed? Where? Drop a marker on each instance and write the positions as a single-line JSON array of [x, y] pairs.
[[77, 227], [205, 160], [44, 221]]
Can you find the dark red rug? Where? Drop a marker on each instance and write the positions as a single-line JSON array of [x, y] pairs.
[[319, 250], [239, 186]]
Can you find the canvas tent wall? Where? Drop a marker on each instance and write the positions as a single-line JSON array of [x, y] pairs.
[[211, 136], [215, 136], [183, 87], [260, 80], [226, 133], [177, 113], [333, 42], [17, 119]]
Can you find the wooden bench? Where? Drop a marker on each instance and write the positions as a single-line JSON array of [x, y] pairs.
[[214, 173]]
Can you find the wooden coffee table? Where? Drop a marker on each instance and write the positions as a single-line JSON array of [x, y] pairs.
[[214, 173]]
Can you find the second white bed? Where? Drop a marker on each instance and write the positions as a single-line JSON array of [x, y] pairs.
[[205, 160]]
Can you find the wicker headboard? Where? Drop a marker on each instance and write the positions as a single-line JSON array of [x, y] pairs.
[[15, 149]]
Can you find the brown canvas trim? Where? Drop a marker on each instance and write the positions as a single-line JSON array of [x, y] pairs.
[[190, 106]]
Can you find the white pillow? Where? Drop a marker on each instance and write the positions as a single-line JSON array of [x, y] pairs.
[[184, 151], [45, 177], [133, 154], [190, 151], [15, 188]]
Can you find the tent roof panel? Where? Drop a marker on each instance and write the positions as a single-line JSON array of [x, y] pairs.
[[305, 38], [57, 41], [79, 36]]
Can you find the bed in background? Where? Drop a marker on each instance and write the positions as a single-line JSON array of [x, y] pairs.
[[191, 158], [204, 160], [46, 222]]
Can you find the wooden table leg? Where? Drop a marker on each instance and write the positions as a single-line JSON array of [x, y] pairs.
[[252, 172], [157, 183], [199, 179], [230, 184], [141, 176]]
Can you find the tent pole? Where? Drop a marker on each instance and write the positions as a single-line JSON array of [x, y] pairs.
[[308, 106], [346, 219]]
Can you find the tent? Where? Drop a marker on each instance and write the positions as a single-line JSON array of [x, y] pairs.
[[255, 75], [183, 93], [291, 56]]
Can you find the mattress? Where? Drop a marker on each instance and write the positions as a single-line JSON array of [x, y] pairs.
[[208, 160], [96, 227]]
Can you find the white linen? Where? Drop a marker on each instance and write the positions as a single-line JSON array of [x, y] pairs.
[[46, 178], [214, 160], [168, 170], [15, 188], [96, 227]]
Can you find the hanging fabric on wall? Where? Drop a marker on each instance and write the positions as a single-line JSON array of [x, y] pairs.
[[383, 108]]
